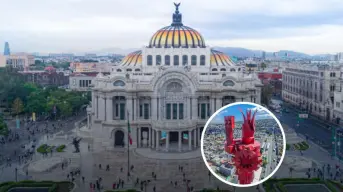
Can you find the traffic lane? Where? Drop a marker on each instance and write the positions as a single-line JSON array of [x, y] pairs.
[[307, 127]]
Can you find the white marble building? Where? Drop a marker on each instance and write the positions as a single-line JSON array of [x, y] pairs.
[[312, 88], [167, 91]]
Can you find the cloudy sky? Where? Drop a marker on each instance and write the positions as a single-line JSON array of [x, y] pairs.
[[310, 26], [234, 111]]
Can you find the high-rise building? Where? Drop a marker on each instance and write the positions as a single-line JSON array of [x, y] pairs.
[[263, 55], [7, 49]]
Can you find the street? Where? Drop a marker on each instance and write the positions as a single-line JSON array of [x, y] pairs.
[[315, 130]]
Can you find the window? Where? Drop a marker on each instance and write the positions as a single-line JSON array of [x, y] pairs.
[[232, 70], [118, 70], [176, 60], [228, 83], [214, 69], [137, 70], [146, 111], [174, 110], [203, 111], [128, 70], [167, 60], [119, 83], [184, 60], [194, 60], [141, 110], [181, 111], [168, 114], [338, 104], [202, 60], [117, 110], [149, 60], [222, 69], [158, 59]]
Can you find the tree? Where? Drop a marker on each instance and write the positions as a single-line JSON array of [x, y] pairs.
[[18, 106], [263, 66], [3, 127], [266, 94]]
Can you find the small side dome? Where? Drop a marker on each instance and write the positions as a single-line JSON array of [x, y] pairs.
[[132, 59]]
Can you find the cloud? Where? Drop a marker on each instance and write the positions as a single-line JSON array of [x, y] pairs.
[[312, 26]]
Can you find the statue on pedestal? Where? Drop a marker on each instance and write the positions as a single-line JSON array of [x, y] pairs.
[[76, 143]]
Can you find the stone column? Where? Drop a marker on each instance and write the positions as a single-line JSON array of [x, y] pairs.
[[88, 120], [129, 107], [109, 109], [180, 141], [188, 106], [154, 108], [190, 140], [150, 136], [96, 111], [139, 137], [194, 137], [157, 139], [153, 138], [199, 136], [194, 108], [167, 141], [219, 103], [212, 107], [135, 116], [101, 108]]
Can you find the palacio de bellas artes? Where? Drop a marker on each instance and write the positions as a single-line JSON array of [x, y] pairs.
[[166, 91]]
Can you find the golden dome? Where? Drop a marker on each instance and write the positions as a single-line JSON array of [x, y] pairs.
[[177, 35], [132, 59], [220, 59]]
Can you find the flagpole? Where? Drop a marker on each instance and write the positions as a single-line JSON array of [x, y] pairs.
[[128, 146]]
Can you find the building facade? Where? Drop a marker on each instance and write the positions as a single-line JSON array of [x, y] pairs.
[[82, 81], [47, 77], [311, 88], [167, 91], [20, 61]]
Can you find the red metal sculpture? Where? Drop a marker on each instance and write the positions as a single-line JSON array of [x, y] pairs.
[[246, 151]]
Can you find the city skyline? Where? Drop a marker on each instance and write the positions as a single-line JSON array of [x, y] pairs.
[[312, 26], [235, 111]]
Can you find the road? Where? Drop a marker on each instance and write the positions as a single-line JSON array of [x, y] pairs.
[[315, 129]]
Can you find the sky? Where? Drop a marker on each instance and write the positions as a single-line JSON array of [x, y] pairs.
[[309, 26], [234, 111]]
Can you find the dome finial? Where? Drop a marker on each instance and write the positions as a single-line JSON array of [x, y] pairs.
[[177, 16]]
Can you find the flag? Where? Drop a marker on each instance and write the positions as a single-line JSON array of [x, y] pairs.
[[129, 128]]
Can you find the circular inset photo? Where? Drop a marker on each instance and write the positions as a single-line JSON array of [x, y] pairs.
[[243, 144]]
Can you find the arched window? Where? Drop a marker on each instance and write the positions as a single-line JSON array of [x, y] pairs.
[[222, 69], [118, 70], [119, 83], [228, 83], [202, 60], [128, 69], [158, 59], [137, 70], [176, 60], [232, 70], [184, 60], [214, 69], [167, 60], [149, 60], [194, 60]]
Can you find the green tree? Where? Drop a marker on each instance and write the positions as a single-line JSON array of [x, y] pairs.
[[266, 94], [3, 126], [263, 65], [18, 106]]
